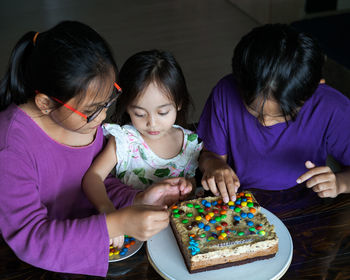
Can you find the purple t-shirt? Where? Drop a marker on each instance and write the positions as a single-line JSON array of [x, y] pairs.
[[44, 216], [273, 157]]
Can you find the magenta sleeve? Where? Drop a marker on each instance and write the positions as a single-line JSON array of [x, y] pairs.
[[68, 245]]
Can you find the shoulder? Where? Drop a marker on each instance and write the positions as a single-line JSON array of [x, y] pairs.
[[225, 90], [329, 99], [190, 138], [119, 131], [15, 129]]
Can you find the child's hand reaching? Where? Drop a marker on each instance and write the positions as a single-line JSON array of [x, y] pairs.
[[166, 192], [117, 242], [321, 179], [219, 178], [139, 221]]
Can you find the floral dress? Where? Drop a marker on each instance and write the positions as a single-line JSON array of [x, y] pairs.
[[139, 166]]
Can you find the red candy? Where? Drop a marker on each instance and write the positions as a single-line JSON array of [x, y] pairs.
[[224, 224]]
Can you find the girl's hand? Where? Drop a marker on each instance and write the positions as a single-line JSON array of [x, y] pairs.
[[139, 221], [219, 178], [166, 192], [321, 179], [117, 242]]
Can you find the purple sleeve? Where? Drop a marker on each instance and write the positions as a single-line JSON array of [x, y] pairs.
[[121, 195], [71, 246], [211, 127]]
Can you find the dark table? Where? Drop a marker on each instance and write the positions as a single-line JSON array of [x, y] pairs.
[[320, 229]]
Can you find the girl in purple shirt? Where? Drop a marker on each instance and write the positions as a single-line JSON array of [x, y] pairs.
[[272, 123], [53, 99]]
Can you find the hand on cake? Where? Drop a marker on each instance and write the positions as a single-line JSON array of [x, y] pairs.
[[220, 179], [321, 179], [166, 192]]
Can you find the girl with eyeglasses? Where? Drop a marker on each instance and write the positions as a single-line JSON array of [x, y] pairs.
[[147, 143], [272, 123], [53, 99]]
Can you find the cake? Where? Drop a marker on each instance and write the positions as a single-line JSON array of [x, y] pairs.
[[212, 234]]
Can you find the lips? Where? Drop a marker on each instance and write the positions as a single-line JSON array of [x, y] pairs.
[[153, 132]]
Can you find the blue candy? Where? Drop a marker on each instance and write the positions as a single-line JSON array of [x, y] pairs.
[[237, 218], [250, 215], [244, 215], [207, 228], [201, 225]]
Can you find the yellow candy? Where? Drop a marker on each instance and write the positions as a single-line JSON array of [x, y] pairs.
[[249, 200], [223, 234], [230, 203], [198, 218], [248, 194], [244, 203], [211, 214], [116, 253], [110, 253]]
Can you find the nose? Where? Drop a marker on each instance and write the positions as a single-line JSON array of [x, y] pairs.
[[151, 121]]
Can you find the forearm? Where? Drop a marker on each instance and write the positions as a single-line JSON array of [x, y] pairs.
[[343, 179], [95, 191], [208, 159]]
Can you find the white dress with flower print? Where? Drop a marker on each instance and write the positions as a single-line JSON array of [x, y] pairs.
[[139, 166]]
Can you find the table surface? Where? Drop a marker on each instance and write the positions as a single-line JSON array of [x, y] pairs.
[[320, 229]]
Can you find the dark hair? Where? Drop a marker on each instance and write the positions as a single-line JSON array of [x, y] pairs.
[[275, 61], [146, 67], [60, 62]]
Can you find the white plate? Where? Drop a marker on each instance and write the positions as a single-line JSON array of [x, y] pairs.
[[131, 251], [165, 256]]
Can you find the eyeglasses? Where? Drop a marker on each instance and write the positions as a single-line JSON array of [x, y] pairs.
[[98, 111]]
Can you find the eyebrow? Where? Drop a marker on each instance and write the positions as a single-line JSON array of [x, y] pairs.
[[159, 107]]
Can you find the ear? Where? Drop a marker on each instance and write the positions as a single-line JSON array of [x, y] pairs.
[[179, 107], [43, 103]]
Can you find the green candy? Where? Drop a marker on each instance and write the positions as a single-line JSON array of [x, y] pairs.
[[203, 235], [200, 210], [175, 210], [176, 215], [185, 221], [189, 214], [218, 219], [252, 229], [250, 204], [197, 206], [223, 216], [190, 205], [237, 209], [240, 233]]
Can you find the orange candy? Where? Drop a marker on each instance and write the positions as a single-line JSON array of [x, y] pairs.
[[173, 207], [218, 228], [222, 212], [127, 245], [132, 242], [221, 237], [208, 217], [252, 210]]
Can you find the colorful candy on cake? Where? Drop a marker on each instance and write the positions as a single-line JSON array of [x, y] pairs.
[[115, 253], [212, 234]]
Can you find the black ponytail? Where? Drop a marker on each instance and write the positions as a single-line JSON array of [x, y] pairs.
[[13, 86], [61, 63]]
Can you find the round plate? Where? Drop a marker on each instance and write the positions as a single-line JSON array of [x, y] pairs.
[[165, 256], [132, 250]]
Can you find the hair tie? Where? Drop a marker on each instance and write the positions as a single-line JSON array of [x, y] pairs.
[[34, 38]]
